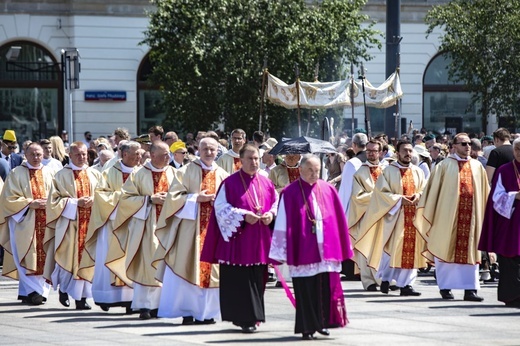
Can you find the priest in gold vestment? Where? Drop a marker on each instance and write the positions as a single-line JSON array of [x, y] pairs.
[[363, 184], [108, 290], [141, 203], [389, 241], [22, 228], [450, 216], [286, 172], [68, 215], [230, 160], [190, 287]]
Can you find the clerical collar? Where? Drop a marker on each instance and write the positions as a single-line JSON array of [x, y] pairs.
[[233, 154], [126, 169], [208, 168], [296, 166], [247, 174], [154, 169], [32, 167], [458, 158], [398, 164], [76, 168], [369, 164]]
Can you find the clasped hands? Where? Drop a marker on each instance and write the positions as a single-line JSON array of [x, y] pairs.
[[266, 218], [411, 200]]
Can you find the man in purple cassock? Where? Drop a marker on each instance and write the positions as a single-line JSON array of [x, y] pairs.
[[501, 228], [311, 235], [239, 238]]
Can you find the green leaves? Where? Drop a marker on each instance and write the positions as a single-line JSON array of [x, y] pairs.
[[482, 38], [208, 55]]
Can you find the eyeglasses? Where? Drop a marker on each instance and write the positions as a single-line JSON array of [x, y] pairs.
[[10, 147], [372, 151], [464, 144], [181, 152]]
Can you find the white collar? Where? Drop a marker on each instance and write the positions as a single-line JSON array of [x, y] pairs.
[[208, 168], [32, 167], [154, 169], [458, 158], [76, 168], [126, 169]]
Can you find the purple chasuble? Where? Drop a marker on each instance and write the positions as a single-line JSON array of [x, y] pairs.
[[251, 243], [302, 243], [499, 234]]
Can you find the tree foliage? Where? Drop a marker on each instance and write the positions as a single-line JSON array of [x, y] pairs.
[[208, 55], [483, 40]]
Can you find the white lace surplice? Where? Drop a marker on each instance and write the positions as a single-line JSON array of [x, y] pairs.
[[278, 249], [502, 200]]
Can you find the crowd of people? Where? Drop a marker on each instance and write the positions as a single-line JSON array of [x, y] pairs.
[[195, 228]]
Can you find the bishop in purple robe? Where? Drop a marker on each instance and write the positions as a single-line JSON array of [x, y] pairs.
[[501, 228], [311, 236], [239, 239]]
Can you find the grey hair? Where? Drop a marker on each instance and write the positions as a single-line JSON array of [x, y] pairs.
[[516, 142], [125, 146], [306, 157], [360, 139]]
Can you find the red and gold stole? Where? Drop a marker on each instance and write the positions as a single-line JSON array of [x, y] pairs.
[[82, 190], [160, 184], [465, 211], [408, 256], [209, 184], [125, 176], [237, 164], [38, 192], [294, 173], [375, 172]]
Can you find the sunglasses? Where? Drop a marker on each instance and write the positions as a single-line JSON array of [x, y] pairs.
[[11, 147], [181, 152], [464, 144]]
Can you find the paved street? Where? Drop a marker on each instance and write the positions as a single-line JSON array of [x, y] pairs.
[[375, 319]]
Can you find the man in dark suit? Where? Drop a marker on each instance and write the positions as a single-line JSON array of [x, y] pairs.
[[9, 147]]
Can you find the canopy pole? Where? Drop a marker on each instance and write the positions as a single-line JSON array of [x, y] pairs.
[[367, 112], [262, 94], [352, 96], [297, 72]]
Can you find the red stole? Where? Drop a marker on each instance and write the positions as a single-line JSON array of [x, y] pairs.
[[294, 173], [82, 190], [408, 255], [209, 184], [375, 172], [465, 210], [38, 192], [125, 176], [237, 164], [160, 184]]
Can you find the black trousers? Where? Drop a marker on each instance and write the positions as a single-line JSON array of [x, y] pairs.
[[312, 295], [509, 282], [242, 294]]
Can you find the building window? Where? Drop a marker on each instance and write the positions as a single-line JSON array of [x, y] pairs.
[[447, 102], [31, 91], [150, 106]]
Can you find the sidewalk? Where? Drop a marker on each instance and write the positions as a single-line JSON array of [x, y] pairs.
[[375, 319]]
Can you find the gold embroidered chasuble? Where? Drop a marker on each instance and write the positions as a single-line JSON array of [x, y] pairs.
[[65, 238], [106, 199], [392, 234], [229, 162], [132, 261], [363, 184], [22, 186], [451, 211], [181, 240], [281, 177]]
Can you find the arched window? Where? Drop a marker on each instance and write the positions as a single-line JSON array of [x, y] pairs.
[[149, 102], [445, 103], [31, 92]]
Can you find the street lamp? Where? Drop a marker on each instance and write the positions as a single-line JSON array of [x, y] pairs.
[[71, 69]]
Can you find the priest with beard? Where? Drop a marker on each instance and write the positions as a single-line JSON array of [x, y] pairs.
[[107, 289], [68, 215], [239, 238], [311, 236], [140, 206], [190, 287], [22, 228]]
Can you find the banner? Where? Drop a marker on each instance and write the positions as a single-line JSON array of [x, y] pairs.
[[333, 94]]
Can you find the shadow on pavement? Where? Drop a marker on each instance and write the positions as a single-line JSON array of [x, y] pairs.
[[405, 300], [470, 305], [140, 324]]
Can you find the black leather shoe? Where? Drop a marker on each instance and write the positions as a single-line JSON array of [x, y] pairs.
[[278, 284], [208, 321], [307, 336], [324, 331], [372, 288], [385, 286], [64, 299], [128, 310], [104, 307], [187, 321], [34, 299], [248, 329], [446, 294], [393, 288], [471, 295], [145, 314], [154, 313], [82, 304], [409, 291]]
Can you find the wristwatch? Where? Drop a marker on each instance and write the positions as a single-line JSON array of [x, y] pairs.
[[150, 199]]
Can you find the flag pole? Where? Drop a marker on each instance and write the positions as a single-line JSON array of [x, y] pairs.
[[367, 113], [352, 95], [297, 72], [262, 94]]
